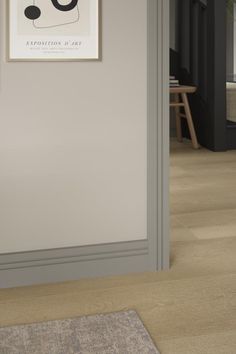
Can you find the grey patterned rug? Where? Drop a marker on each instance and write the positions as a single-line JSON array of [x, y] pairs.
[[115, 333]]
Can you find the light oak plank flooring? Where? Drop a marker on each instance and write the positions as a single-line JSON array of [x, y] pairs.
[[192, 308]]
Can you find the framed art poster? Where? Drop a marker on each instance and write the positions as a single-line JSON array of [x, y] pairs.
[[54, 30]]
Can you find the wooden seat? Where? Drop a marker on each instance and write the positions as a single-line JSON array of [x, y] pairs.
[[181, 101]]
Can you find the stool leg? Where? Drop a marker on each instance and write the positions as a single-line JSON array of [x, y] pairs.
[[190, 121], [178, 120]]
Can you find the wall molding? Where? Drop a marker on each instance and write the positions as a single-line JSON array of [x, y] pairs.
[[55, 265], [72, 255], [44, 266]]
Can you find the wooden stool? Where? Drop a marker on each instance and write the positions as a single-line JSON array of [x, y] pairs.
[[182, 91]]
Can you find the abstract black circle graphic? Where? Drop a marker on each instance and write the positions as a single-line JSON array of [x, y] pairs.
[[32, 12], [67, 7]]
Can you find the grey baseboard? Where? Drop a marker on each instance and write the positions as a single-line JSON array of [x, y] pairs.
[[27, 268]]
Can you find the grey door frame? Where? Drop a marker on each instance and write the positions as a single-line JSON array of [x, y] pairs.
[[158, 138], [151, 254], [163, 133]]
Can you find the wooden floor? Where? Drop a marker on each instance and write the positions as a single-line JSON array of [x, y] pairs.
[[192, 308]]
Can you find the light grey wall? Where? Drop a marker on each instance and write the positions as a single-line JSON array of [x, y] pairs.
[[73, 141], [117, 258]]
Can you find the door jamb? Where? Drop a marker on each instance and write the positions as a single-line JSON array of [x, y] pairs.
[[163, 136]]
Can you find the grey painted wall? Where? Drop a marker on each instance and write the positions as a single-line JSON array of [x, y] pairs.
[[73, 141], [230, 44], [174, 24]]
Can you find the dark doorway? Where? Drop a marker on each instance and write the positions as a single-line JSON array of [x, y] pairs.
[[200, 60]]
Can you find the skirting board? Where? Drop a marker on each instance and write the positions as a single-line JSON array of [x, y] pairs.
[[27, 268]]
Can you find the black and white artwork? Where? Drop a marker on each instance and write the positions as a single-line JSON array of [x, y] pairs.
[[53, 29]]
